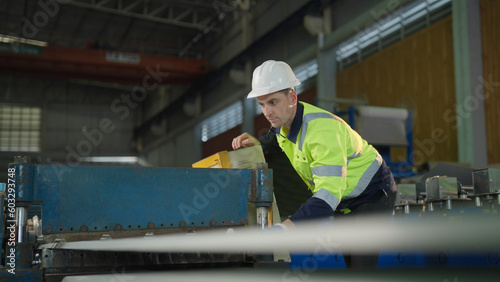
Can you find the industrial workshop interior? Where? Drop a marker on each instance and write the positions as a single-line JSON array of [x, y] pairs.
[[123, 152]]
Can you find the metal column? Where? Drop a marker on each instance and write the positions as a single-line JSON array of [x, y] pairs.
[[471, 125]]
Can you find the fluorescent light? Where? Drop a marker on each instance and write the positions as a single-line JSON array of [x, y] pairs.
[[111, 159], [14, 39]]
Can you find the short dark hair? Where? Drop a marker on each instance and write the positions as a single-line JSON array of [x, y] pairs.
[[287, 90]]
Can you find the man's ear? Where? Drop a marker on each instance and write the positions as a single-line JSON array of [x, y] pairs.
[[293, 97]]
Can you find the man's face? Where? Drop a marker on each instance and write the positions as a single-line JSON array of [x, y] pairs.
[[279, 107]]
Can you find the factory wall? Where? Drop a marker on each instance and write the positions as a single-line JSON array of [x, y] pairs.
[[491, 74], [415, 73], [75, 113], [177, 152], [161, 156], [86, 130], [184, 152], [79, 119], [261, 19]]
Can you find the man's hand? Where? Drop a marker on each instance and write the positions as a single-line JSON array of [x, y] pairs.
[[288, 223], [284, 226], [244, 140]]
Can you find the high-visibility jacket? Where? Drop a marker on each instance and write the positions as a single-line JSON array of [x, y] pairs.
[[332, 159]]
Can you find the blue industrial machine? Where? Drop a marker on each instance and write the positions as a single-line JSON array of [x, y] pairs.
[[444, 199], [55, 203], [58, 203]]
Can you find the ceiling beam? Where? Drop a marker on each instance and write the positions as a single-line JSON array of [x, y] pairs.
[[135, 5], [158, 10], [103, 65], [152, 16]]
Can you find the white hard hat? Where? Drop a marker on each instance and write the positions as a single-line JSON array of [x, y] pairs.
[[270, 77]]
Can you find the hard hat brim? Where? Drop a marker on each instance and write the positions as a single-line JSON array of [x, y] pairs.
[[271, 89]]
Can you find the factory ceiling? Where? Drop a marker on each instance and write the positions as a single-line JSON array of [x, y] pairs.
[[110, 40]]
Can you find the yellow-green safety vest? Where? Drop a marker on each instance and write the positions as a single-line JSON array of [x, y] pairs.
[[332, 159]]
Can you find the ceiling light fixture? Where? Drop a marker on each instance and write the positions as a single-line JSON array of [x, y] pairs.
[[14, 39]]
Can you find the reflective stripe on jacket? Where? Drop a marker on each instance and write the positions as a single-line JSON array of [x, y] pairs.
[[331, 158]]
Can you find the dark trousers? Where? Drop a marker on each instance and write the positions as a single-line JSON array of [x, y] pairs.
[[381, 208]]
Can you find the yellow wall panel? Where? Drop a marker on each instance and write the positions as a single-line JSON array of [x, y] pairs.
[[490, 22], [416, 73]]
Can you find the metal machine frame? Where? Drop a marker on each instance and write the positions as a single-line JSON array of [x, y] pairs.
[[91, 203]]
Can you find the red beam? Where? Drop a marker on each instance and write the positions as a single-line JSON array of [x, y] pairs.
[[104, 65]]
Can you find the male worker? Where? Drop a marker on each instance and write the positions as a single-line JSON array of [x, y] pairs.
[[345, 174]]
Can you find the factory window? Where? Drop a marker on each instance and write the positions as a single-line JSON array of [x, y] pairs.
[[391, 29], [306, 74], [224, 120], [20, 128]]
